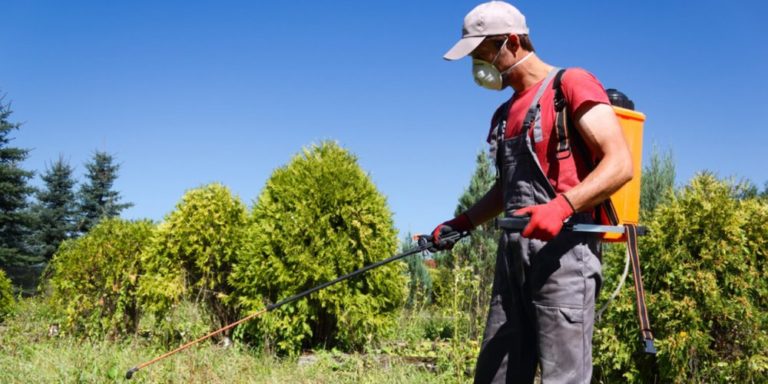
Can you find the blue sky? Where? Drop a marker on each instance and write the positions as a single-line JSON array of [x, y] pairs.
[[186, 93]]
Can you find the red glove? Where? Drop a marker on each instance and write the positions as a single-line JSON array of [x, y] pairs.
[[546, 219], [459, 223]]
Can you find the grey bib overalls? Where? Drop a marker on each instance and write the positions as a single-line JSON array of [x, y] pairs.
[[543, 296]]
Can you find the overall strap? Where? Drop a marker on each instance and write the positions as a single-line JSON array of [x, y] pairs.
[[535, 107], [499, 131]]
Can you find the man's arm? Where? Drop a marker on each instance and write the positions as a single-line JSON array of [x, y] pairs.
[[600, 129], [598, 125], [602, 133], [488, 207]]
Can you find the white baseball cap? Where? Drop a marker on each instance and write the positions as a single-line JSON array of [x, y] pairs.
[[487, 19]]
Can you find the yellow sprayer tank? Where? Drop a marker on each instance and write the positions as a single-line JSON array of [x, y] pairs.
[[627, 199]]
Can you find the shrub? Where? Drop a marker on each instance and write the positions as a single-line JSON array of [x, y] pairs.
[[317, 218], [193, 252], [94, 278], [7, 302], [183, 322], [706, 281]]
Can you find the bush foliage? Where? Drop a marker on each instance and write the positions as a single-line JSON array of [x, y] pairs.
[[7, 302], [193, 252], [94, 278], [319, 217], [706, 280]]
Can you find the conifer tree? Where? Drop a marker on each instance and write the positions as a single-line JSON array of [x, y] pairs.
[[482, 180], [657, 180], [15, 219], [479, 251], [97, 199], [319, 217], [419, 280], [56, 208]]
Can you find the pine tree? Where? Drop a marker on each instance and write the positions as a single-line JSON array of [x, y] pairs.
[[56, 209], [97, 199], [657, 180], [15, 219], [419, 280], [479, 252], [482, 180]]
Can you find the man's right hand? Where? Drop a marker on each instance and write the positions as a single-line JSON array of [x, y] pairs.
[[459, 223]]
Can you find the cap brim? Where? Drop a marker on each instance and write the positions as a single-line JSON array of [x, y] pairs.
[[464, 47]]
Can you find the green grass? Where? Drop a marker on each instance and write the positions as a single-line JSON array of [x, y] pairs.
[[29, 355]]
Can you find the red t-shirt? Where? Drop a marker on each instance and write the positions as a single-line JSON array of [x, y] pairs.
[[579, 87]]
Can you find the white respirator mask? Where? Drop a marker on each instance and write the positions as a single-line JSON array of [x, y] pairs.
[[488, 76]]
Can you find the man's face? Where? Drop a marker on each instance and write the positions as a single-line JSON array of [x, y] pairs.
[[489, 49]]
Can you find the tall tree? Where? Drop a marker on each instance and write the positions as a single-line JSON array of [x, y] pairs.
[[97, 199], [15, 219], [56, 208], [657, 180], [419, 280], [482, 180], [479, 252], [745, 189]]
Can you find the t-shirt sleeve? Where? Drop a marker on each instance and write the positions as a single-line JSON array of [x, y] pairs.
[[580, 87]]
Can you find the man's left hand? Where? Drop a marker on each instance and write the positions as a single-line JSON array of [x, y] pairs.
[[546, 219]]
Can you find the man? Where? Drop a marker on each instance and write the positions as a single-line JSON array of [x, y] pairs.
[[546, 281]]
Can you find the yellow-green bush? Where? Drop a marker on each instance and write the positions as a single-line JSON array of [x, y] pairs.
[[706, 280], [193, 252], [6, 296], [317, 218], [94, 278]]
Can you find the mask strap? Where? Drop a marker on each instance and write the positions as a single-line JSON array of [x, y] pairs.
[[499, 52], [526, 57]]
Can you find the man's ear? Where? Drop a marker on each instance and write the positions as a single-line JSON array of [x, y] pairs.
[[513, 42]]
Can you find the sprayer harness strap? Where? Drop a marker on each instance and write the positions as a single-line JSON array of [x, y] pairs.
[[562, 120], [642, 311]]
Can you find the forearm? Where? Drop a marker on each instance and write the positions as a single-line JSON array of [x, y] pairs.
[[488, 207]]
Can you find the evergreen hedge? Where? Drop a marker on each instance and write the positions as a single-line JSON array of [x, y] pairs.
[[706, 279], [94, 278], [319, 217], [192, 255]]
